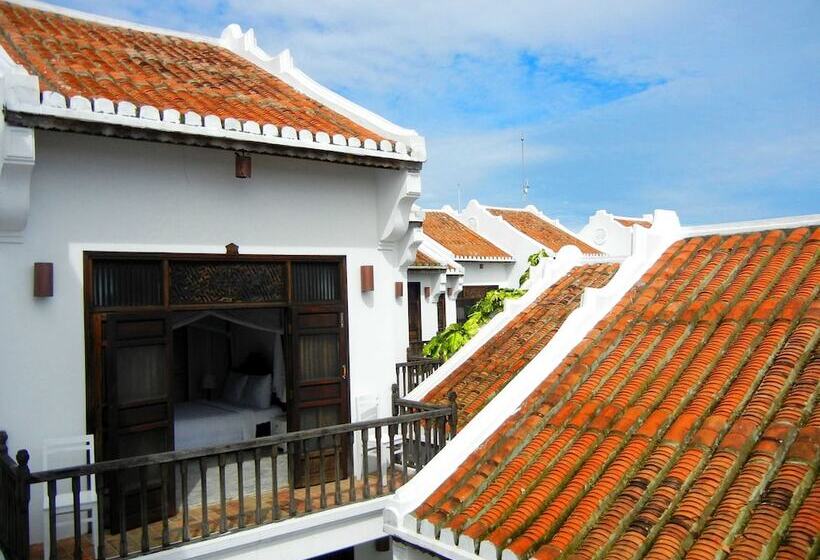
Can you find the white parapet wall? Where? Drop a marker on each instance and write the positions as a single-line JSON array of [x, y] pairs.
[[603, 231], [595, 304]]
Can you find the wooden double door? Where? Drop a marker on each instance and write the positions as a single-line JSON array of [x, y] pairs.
[[131, 408]]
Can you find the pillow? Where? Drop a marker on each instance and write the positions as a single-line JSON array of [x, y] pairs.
[[257, 391], [234, 385]]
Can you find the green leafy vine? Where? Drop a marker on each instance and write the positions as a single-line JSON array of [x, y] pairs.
[[454, 336]]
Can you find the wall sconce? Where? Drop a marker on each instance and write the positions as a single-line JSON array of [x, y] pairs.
[[43, 279], [427, 292], [449, 292], [367, 278], [399, 289], [243, 165]]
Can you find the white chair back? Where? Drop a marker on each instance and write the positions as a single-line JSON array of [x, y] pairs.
[[367, 407], [69, 452]]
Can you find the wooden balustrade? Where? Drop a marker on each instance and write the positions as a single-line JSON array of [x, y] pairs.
[[157, 505], [14, 501], [410, 374]]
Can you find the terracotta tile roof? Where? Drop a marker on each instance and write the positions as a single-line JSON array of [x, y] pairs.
[[73, 56], [498, 361], [545, 233], [458, 238], [686, 423], [629, 222], [425, 261]]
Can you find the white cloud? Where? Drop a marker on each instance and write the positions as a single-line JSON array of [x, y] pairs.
[[728, 129]]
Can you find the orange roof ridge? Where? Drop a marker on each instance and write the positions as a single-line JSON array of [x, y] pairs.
[[546, 232]]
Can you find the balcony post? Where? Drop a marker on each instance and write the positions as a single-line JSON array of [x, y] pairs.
[[451, 396], [23, 498], [394, 397]]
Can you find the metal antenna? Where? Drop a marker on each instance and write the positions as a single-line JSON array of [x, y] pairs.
[[458, 188], [525, 185]]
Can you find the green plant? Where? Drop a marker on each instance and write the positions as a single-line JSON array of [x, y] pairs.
[[533, 260], [448, 341]]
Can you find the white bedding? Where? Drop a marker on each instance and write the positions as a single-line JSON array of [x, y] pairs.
[[208, 423]]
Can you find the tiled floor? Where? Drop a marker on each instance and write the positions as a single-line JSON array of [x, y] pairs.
[[232, 517]]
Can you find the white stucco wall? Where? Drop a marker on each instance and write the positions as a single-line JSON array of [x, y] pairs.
[[91, 193], [489, 273], [429, 307]]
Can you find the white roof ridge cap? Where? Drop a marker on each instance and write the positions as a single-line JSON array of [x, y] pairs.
[[784, 222], [283, 67], [642, 219], [115, 22]]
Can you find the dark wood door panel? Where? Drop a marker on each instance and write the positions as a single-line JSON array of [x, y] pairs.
[[319, 384], [138, 406], [414, 311]]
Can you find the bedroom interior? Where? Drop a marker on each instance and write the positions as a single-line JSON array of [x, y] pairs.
[[229, 376]]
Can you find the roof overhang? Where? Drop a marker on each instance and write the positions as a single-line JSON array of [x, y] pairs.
[[158, 131], [483, 260], [419, 268]]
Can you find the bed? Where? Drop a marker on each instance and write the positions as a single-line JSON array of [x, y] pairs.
[[204, 423]]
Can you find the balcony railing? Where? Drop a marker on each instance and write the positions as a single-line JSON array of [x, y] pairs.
[[252, 483], [415, 349], [410, 374]]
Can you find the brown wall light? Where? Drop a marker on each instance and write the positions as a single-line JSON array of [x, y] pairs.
[[399, 289], [367, 278], [43, 279], [243, 165]]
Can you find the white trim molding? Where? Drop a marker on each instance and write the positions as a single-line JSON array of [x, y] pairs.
[[298, 538]]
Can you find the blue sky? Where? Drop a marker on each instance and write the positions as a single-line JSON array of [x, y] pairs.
[[708, 108]]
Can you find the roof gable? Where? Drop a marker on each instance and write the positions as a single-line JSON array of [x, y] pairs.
[[545, 233], [457, 238]]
